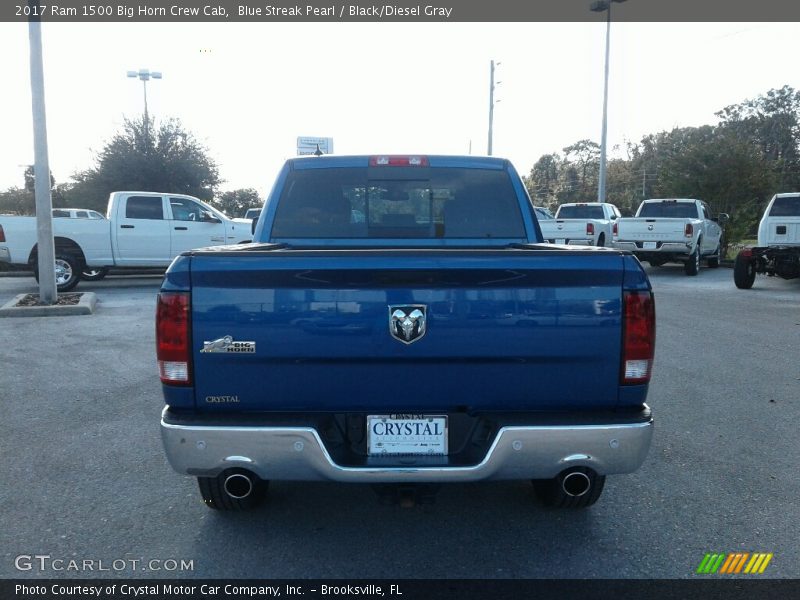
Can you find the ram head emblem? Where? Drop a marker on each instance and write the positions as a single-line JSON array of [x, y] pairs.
[[407, 323]]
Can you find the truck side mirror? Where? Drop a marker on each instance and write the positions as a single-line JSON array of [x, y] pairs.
[[722, 218]]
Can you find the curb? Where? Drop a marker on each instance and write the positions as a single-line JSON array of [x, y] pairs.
[[85, 306]]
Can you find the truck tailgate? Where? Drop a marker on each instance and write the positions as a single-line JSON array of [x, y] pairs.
[[565, 228], [504, 330], [651, 229]]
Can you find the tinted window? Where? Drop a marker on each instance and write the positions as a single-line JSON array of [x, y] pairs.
[[788, 206], [144, 207], [60, 213], [398, 202], [580, 212], [185, 210], [675, 210]]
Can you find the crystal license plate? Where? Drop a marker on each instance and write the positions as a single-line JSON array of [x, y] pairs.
[[406, 434]]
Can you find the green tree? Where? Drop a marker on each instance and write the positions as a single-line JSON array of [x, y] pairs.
[[17, 201], [22, 201], [236, 202], [584, 156], [542, 181], [30, 179], [770, 123], [149, 158]]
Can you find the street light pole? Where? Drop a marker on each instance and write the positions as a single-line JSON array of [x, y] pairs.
[[604, 6], [145, 75]]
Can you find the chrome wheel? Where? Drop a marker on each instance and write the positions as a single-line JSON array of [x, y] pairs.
[[64, 272]]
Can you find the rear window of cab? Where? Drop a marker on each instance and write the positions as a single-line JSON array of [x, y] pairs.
[[398, 202], [786, 206]]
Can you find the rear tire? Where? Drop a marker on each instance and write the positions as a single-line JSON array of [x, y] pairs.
[[68, 272], [212, 490], [550, 492], [744, 272], [692, 266]]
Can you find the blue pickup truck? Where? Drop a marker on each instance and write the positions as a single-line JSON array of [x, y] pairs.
[[397, 321]]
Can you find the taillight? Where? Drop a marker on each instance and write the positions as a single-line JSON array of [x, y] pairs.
[[2, 234], [615, 229], [638, 337], [688, 230], [590, 229], [398, 161], [174, 338]]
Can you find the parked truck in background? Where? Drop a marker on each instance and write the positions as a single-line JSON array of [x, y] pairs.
[[778, 250], [142, 229], [581, 223], [672, 230], [397, 321]]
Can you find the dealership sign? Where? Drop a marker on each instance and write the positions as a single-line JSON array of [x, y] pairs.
[[314, 145]]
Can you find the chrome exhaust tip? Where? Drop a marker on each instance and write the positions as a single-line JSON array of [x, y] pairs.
[[238, 486], [576, 483]]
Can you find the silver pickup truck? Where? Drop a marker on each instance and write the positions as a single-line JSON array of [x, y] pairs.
[[672, 230]]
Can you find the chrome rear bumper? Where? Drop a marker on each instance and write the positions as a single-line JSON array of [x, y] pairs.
[[298, 453], [665, 247]]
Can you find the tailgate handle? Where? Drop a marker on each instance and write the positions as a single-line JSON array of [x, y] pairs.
[[126, 226], [181, 228]]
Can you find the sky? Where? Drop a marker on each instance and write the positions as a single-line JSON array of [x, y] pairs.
[[247, 90]]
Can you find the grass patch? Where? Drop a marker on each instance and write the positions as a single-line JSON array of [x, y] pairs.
[[735, 247]]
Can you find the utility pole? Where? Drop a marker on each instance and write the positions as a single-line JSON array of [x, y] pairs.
[[644, 174], [491, 105], [46, 254]]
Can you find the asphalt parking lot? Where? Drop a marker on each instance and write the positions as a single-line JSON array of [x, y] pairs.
[[85, 478]]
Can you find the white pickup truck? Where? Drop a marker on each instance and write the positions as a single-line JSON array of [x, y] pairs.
[[672, 230], [778, 250], [142, 229], [581, 223]]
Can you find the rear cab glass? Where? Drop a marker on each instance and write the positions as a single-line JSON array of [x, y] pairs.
[[368, 203], [669, 209], [580, 212], [786, 206]]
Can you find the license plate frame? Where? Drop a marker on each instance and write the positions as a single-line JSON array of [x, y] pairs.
[[649, 245], [407, 435]]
